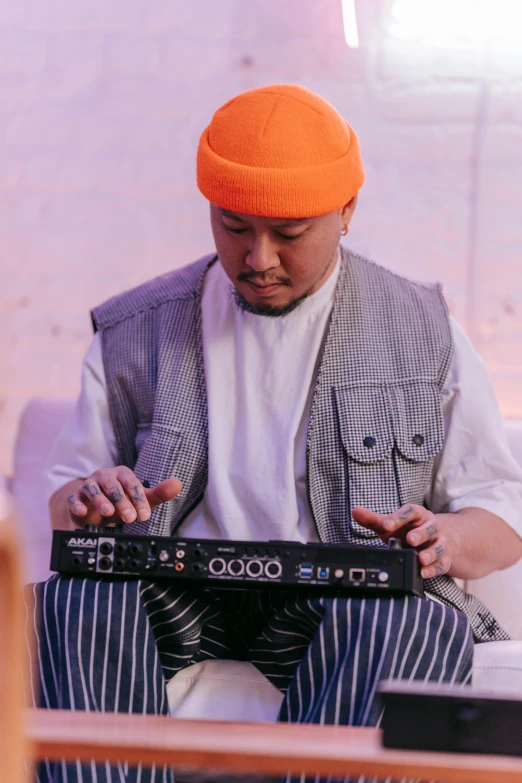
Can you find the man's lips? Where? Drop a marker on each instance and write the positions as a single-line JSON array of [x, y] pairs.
[[265, 289]]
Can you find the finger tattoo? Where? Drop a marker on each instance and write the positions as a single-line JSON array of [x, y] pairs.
[[440, 568], [115, 494], [137, 494], [406, 514], [439, 551], [432, 530], [71, 500], [92, 490]]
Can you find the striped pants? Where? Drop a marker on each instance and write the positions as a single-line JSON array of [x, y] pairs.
[[112, 645]]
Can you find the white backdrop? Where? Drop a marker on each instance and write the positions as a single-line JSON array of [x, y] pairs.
[[101, 107]]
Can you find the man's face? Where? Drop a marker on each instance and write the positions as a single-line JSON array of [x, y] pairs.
[[274, 263]]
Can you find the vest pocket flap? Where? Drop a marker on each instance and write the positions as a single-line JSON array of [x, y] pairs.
[[157, 448], [418, 425], [364, 422]]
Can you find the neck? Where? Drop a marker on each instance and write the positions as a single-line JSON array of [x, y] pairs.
[[327, 272]]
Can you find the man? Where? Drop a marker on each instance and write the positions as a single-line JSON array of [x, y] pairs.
[[281, 389]]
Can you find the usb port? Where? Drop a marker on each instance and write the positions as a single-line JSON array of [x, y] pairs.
[[357, 574], [323, 573], [305, 571]]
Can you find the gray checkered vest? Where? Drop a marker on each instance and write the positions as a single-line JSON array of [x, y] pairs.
[[376, 423]]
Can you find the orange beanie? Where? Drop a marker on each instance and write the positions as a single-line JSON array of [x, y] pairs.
[[279, 151]]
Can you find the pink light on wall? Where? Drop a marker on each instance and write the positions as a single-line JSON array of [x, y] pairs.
[[350, 24]]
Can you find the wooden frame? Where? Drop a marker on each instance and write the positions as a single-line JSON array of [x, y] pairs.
[[252, 748], [14, 746]]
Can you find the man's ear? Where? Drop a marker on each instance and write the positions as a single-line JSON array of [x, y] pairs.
[[349, 208], [347, 213]]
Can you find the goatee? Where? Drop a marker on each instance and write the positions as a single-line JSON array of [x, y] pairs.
[[271, 311]]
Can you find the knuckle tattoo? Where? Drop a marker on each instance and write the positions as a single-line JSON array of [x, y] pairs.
[[137, 494], [439, 551], [440, 568], [115, 494], [71, 500], [92, 490], [432, 530], [406, 513]]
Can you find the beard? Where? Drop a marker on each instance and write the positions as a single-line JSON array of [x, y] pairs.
[[272, 311], [268, 310]]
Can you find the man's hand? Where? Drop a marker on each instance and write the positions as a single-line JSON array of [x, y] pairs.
[[114, 495], [417, 527]]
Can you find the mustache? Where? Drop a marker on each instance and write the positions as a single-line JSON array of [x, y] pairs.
[[262, 279]]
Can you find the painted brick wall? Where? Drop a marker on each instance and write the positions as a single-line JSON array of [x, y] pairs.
[[101, 106]]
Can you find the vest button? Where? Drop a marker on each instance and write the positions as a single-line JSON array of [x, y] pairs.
[[418, 440], [369, 442]]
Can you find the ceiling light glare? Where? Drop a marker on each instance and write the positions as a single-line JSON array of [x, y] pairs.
[[453, 20], [350, 24]]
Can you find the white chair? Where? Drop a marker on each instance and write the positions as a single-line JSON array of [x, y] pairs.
[[502, 591], [233, 690]]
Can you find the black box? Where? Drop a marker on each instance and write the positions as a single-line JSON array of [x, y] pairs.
[[458, 719]]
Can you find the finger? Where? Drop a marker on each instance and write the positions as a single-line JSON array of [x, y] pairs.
[[438, 568], [162, 492], [380, 523], [426, 532], [435, 552], [93, 517], [75, 506], [82, 514], [114, 491], [410, 514], [90, 491], [136, 493]]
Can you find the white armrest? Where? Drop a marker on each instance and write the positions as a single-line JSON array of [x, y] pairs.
[[498, 665], [501, 592]]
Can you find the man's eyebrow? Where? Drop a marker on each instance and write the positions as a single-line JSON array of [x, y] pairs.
[[282, 222], [228, 214], [292, 222]]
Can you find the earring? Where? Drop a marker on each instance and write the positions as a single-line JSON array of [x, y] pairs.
[[344, 231]]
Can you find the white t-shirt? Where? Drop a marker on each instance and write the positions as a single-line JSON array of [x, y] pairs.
[[260, 376]]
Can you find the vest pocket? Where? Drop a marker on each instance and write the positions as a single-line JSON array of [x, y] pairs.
[[390, 435], [418, 425], [365, 428], [142, 434], [157, 447], [364, 423], [418, 430]]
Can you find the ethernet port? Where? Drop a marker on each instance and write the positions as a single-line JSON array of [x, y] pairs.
[[357, 574]]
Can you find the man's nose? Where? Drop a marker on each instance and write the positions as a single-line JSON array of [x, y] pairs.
[[262, 255]]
